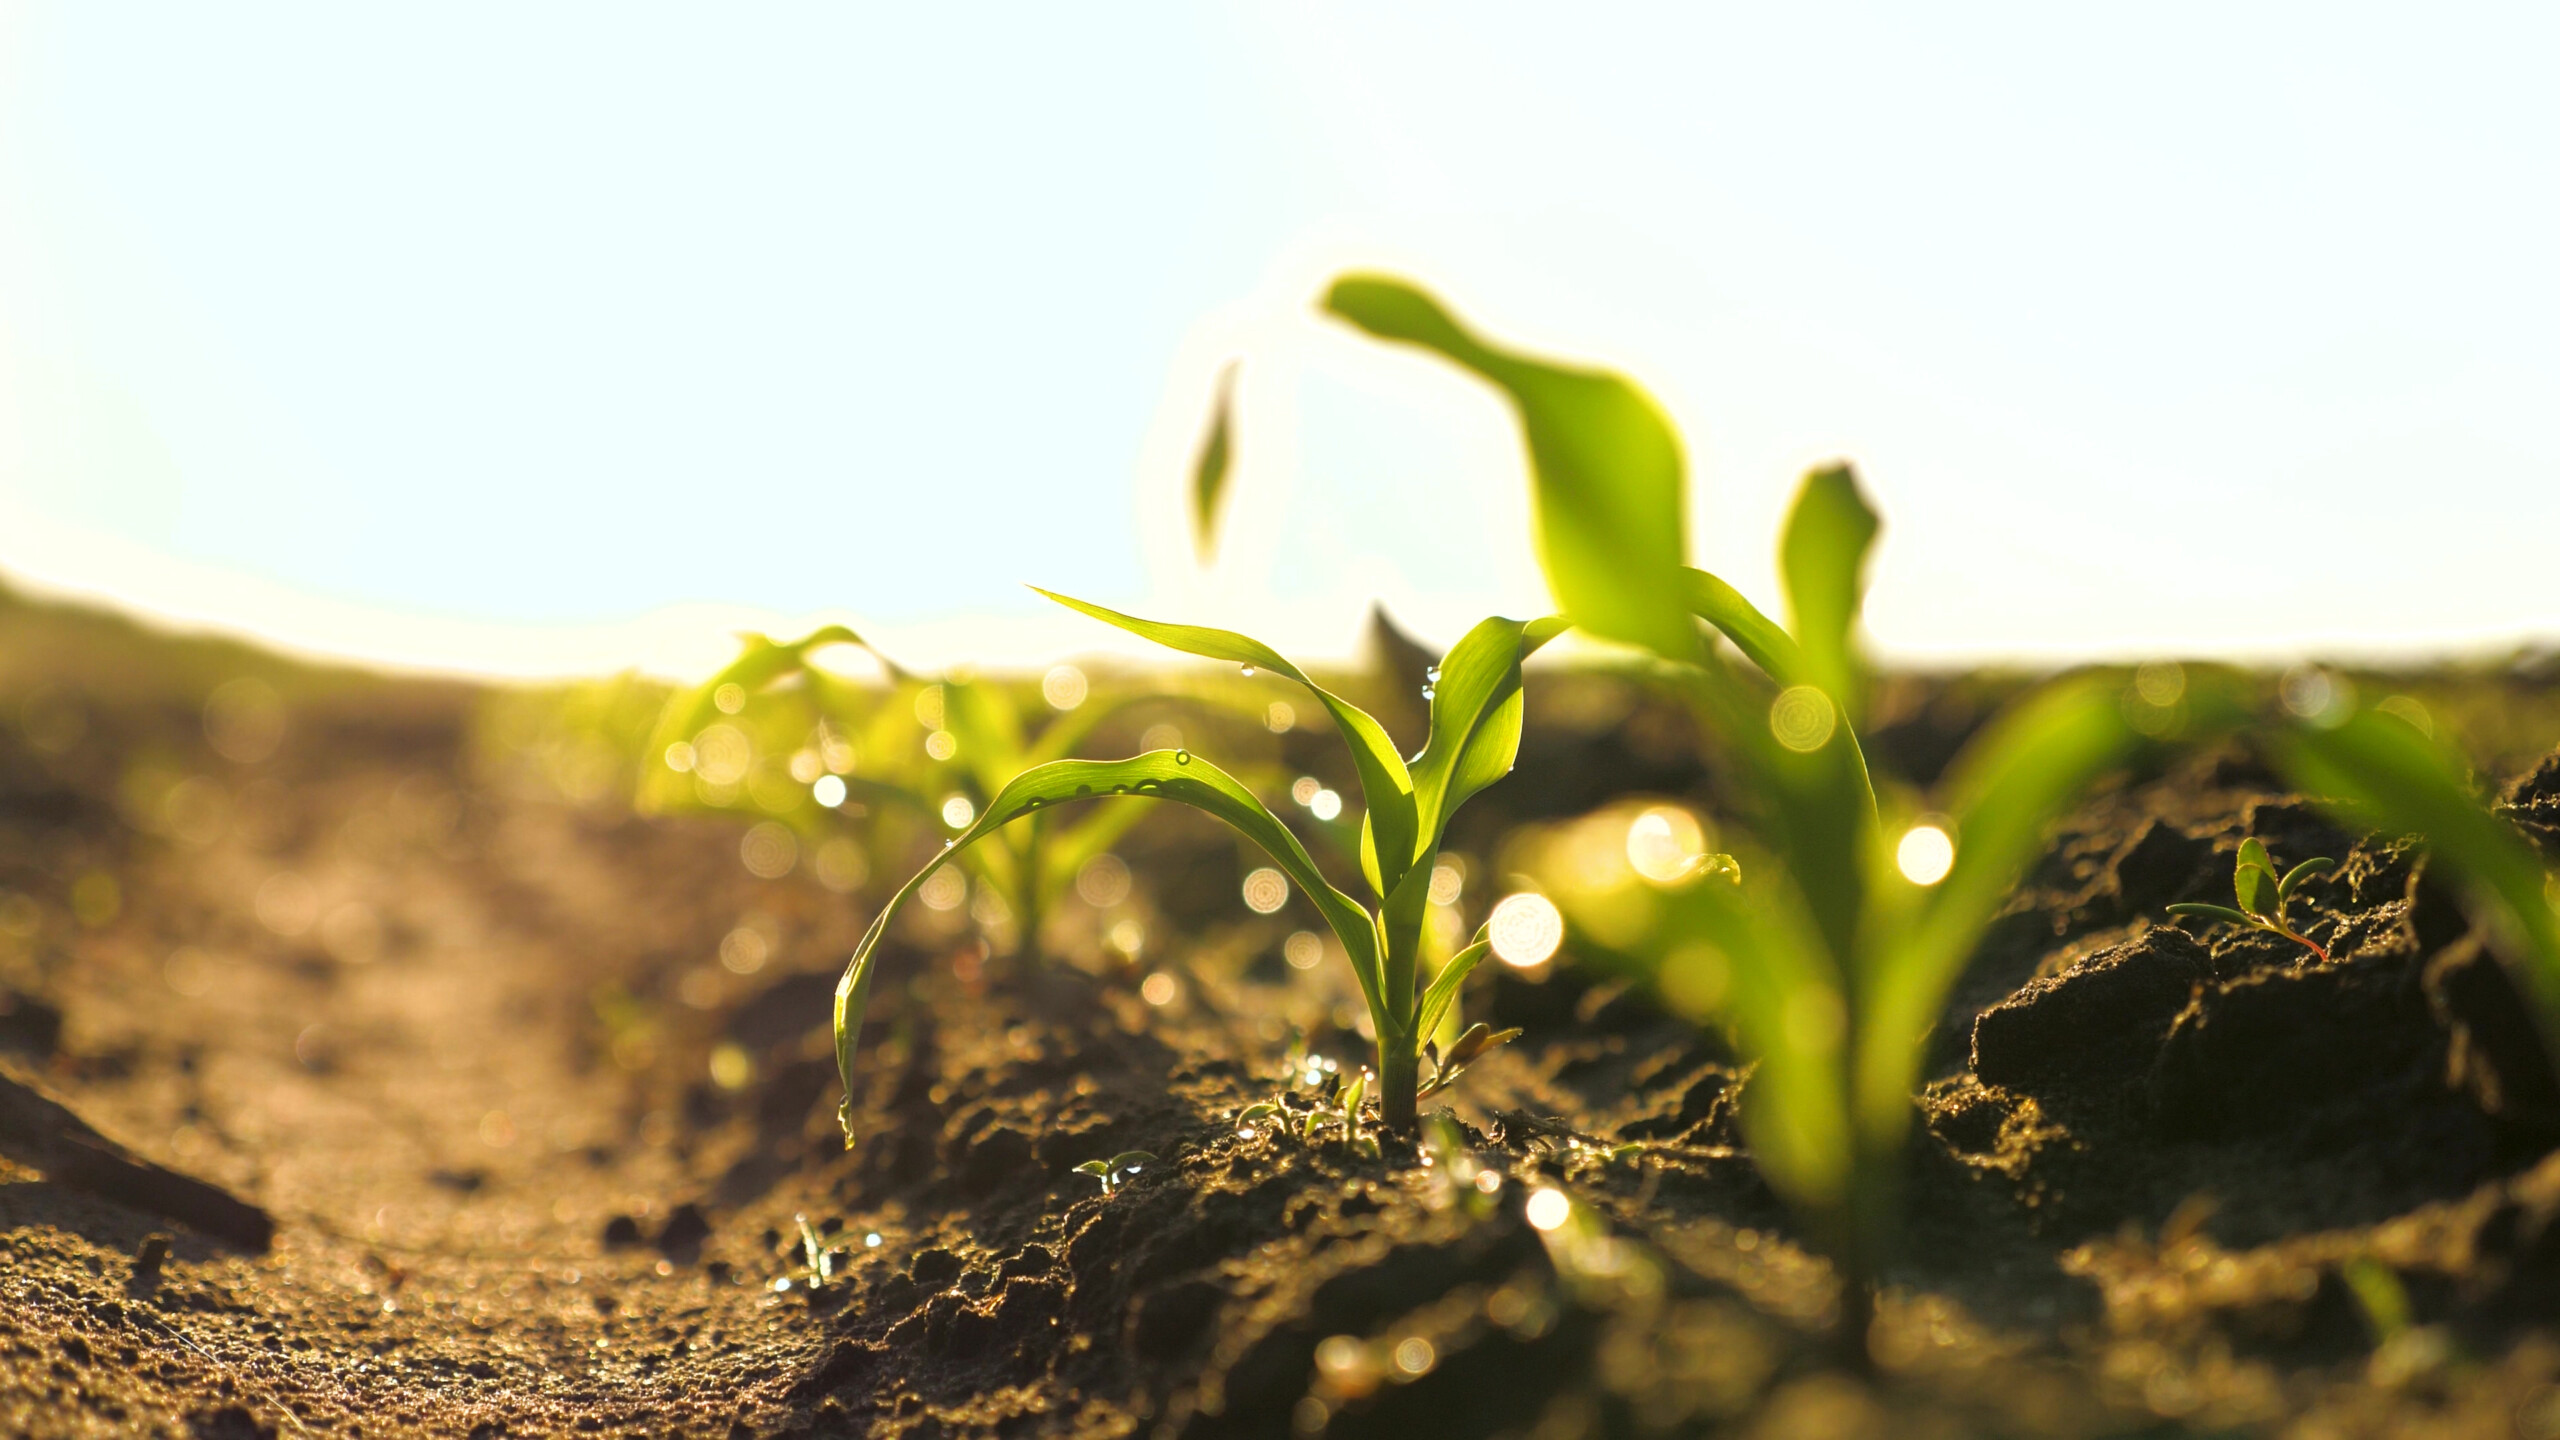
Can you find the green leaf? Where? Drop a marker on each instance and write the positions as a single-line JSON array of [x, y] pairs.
[[2299, 873], [1209, 472], [1385, 784], [1756, 635], [1157, 775], [2004, 790], [1823, 557], [1479, 1038], [2248, 871], [1610, 490], [1094, 1167], [1444, 986], [2216, 912], [1475, 722], [1129, 1158], [2380, 770]]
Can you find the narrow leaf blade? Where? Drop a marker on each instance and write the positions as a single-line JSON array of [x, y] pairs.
[[1386, 785], [1758, 637], [1156, 775], [1445, 986], [2214, 912], [1823, 557]]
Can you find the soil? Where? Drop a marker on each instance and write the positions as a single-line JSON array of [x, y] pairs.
[[537, 1130]]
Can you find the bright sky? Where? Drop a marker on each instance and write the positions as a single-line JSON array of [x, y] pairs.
[[540, 337]]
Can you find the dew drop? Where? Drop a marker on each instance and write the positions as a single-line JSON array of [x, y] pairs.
[[1247, 671], [1432, 674], [1428, 692], [947, 844], [1181, 757]]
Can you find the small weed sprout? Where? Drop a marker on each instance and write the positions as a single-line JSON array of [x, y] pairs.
[[1475, 714], [817, 1260], [1115, 1172], [2262, 894]]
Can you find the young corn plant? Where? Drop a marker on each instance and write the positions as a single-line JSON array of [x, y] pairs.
[[2262, 894], [1474, 738], [1828, 945], [1828, 952], [931, 755]]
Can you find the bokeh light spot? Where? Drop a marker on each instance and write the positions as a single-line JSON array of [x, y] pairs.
[[1525, 929], [1064, 687], [1802, 718], [1265, 891], [1925, 855], [1548, 1208]]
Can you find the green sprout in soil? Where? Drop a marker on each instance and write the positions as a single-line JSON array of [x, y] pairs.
[[1829, 965], [2262, 894], [1475, 717], [921, 758], [817, 1261], [1828, 949], [1115, 1172]]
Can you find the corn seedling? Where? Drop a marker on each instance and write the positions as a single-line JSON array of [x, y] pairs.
[[2262, 894], [1474, 738], [1830, 962], [931, 754], [1827, 949], [1115, 1172]]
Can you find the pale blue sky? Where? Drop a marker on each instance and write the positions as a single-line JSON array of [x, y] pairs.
[[2197, 328]]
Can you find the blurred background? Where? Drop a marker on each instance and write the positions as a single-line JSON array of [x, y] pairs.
[[540, 341]]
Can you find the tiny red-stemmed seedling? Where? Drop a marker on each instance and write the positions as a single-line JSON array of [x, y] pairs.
[[2262, 894]]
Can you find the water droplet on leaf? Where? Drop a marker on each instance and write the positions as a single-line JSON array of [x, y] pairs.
[[1246, 671], [1181, 757]]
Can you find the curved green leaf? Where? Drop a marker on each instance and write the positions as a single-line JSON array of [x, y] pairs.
[[1757, 636], [2294, 877], [1823, 556], [1611, 493], [1157, 775], [2215, 912], [1475, 722], [1386, 785], [1444, 986]]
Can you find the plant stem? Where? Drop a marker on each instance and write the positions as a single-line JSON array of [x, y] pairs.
[[1398, 1067]]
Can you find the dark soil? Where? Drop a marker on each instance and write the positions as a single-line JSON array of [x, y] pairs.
[[533, 1155]]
